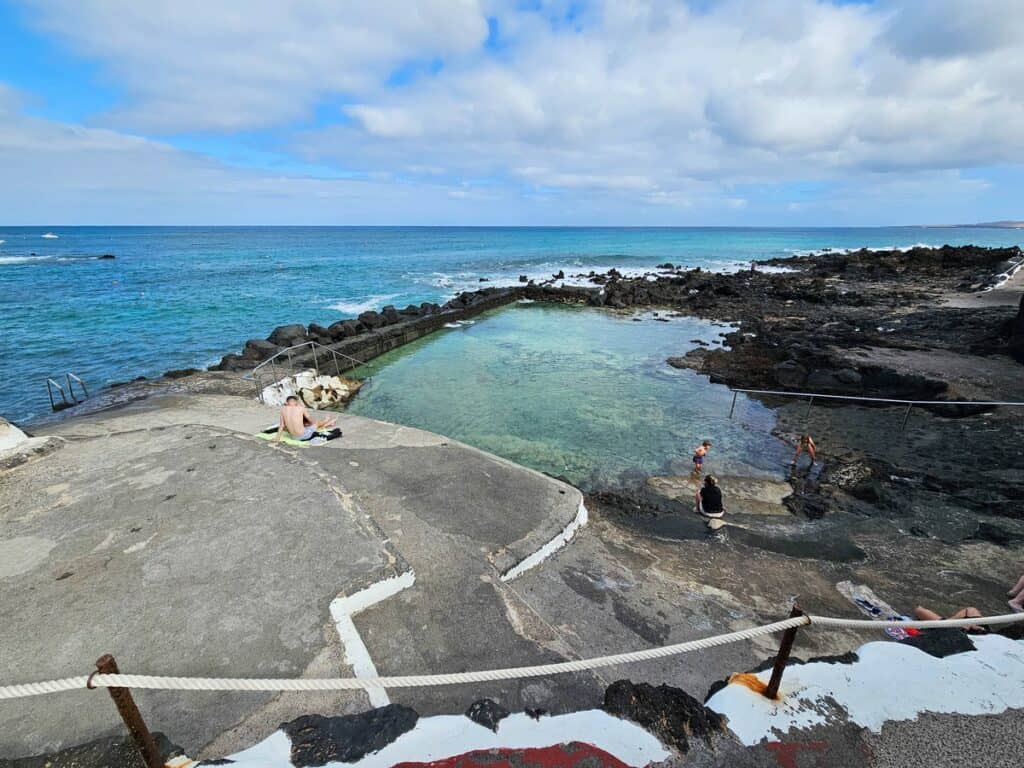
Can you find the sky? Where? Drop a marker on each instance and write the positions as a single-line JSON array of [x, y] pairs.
[[511, 112]]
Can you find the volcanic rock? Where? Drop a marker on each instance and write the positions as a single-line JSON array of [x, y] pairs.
[[487, 713], [318, 740], [670, 713], [287, 335]]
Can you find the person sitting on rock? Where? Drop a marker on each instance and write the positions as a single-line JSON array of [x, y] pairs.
[[296, 419], [806, 443], [709, 498], [698, 456], [970, 612]]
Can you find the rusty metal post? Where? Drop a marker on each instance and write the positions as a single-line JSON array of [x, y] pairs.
[[144, 741], [785, 647], [807, 416], [734, 394]]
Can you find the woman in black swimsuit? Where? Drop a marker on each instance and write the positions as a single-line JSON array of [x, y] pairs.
[[709, 498]]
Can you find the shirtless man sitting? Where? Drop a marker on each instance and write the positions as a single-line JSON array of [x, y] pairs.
[[296, 419]]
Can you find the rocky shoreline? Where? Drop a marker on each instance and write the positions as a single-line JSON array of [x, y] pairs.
[[863, 323], [797, 328]]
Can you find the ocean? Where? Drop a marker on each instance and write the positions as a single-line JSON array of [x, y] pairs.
[[176, 297]]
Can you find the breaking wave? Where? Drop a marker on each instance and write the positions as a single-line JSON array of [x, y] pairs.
[[356, 307]]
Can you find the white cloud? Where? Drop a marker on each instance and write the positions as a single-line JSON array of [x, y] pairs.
[[651, 103], [192, 65]]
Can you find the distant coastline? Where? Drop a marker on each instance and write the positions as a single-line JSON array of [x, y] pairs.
[[982, 225]]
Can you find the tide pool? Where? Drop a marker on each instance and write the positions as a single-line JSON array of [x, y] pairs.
[[575, 392]]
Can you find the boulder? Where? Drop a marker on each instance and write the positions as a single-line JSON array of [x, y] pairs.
[[259, 349], [10, 435], [427, 308], [106, 257], [789, 373], [318, 740], [412, 310], [344, 329], [390, 315], [560, 275], [318, 330], [523, 279], [286, 335], [671, 714], [371, 320]]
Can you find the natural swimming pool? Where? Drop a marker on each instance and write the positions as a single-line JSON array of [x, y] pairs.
[[573, 391]]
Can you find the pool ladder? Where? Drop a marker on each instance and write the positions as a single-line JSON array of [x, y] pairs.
[[67, 398]]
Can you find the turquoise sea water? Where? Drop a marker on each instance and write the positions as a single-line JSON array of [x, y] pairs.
[[184, 296], [572, 391]]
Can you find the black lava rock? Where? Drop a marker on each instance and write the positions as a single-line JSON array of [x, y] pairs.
[[371, 319], [487, 713], [941, 643], [670, 713], [1017, 334], [318, 740], [995, 534], [286, 335]]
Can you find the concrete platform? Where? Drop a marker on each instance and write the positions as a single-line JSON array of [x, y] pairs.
[[165, 533]]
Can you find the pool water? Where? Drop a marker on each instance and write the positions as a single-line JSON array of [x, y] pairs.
[[575, 392]]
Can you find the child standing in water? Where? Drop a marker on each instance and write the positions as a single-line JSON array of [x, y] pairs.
[[698, 456], [806, 444]]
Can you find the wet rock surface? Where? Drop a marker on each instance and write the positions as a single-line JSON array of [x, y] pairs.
[[670, 713], [318, 740]]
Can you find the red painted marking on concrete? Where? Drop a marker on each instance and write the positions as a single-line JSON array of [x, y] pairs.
[[785, 752], [568, 755]]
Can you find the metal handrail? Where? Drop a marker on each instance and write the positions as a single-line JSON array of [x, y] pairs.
[[271, 362], [50, 384], [857, 398], [72, 378], [874, 399]]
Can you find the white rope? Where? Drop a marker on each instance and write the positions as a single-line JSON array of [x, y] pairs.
[[416, 681], [827, 621]]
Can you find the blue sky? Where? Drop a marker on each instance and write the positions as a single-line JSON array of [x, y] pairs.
[[794, 112]]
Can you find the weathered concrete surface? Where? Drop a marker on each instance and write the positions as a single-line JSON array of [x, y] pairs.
[[166, 533], [461, 518], [146, 544]]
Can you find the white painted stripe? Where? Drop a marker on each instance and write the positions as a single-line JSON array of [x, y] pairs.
[[889, 681], [357, 655], [550, 548], [435, 738]]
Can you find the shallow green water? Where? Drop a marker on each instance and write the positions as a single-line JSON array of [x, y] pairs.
[[572, 391]]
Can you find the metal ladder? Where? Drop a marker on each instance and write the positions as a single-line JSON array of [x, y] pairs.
[[67, 398]]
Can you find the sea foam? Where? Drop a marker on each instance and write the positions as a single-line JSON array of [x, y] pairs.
[[357, 306], [21, 259]]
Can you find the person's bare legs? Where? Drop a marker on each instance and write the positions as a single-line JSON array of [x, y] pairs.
[[1017, 588], [969, 613], [923, 614], [1017, 593]]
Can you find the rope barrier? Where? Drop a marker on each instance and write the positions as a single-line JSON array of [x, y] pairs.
[[96, 680]]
